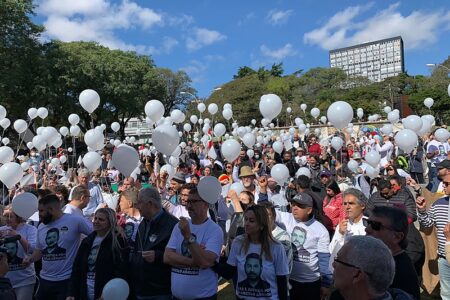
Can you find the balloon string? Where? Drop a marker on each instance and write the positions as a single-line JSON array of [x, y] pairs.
[[23, 137]]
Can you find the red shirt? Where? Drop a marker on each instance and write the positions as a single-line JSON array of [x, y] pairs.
[[333, 210], [314, 149]]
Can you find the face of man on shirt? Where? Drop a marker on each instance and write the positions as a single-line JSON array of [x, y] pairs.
[[253, 268], [298, 237], [51, 239]]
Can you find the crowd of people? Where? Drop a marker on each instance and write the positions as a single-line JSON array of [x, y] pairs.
[[329, 232]]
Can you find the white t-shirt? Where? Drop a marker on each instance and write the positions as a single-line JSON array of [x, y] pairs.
[[443, 149], [257, 276], [58, 242], [72, 209], [92, 258], [18, 274], [193, 282], [308, 239]]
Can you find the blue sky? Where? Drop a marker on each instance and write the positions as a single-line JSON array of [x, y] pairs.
[[210, 40]]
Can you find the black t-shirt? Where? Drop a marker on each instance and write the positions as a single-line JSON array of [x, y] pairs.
[[406, 278]]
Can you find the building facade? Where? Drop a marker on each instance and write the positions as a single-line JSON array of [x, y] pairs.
[[376, 60]]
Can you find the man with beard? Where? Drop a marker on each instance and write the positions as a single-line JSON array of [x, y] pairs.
[[435, 185], [253, 270], [248, 180], [56, 266], [290, 163]]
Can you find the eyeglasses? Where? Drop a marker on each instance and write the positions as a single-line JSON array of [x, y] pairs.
[[377, 226], [446, 183], [193, 201], [337, 260]]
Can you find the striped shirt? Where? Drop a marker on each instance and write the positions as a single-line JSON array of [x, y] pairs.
[[400, 199], [437, 215]]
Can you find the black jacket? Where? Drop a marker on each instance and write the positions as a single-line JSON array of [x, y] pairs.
[[152, 279], [107, 267], [6, 290]]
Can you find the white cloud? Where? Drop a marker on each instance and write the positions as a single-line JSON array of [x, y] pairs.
[[278, 54], [417, 29], [202, 37], [97, 20], [247, 18], [168, 44], [196, 70], [278, 17]]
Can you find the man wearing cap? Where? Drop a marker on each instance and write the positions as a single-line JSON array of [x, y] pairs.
[[435, 185], [176, 183], [310, 277], [95, 191], [193, 248], [320, 187]]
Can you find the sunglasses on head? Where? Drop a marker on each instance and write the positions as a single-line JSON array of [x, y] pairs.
[[377, 226]]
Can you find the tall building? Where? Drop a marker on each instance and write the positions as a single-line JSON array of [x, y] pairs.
[[375, 60]]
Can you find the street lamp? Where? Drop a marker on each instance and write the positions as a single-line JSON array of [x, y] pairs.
[[434, 66], [187, 93]]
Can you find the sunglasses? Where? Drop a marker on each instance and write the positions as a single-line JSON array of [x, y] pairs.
[[337, 260], [377, 226], [446, 183]]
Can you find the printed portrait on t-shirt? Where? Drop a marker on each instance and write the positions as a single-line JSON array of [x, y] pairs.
[[187, 253], [298, 238], [92, 258], [53, 251], [129, 230], [253, 285], [15, 262]]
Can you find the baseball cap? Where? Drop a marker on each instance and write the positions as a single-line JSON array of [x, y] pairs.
[[303, 199], [325, 172], [445, 164]]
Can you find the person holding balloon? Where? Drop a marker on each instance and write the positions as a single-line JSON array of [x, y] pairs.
[[20, 240], [102, 256]]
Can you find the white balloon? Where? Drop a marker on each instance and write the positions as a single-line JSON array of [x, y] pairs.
[[174, 161], [393, 117], [278, 147], [94, 138], [5, 122], [406, 140], [5, 141], [412, 122], [177, 116], [70, 149], [387, 109], [426, 127], [25, 165], [219, 129], [30, 145], [55, 161], [323, 119], [165, 138], [42, 112], [92, 160], [253, 121], [115, 126], [74, 130], [430, 118], [117, 143], [340, 113], [387, 129], [73, 119], [177, 152], [270, 106], [230, 149], [249, 140], [373, 158], [89, 100], [116, 289], [360, 114], [250, 153], [62, 159], [194, 119], [303, 171], [288, 110], [132, 139], [10, 174], [372, 172], [213, 108], [209, 189], [2, 112], [227, 114], [25, 205], [20, 126], [125, 158], [6, 154], [201, 107], [353, 165], [303, 107], [187, 127], [280, 173], [302, 127], [238, 187], [448, 90], [442, 135], [154, 109], [39, 143], [428, 102], [32, 113], [227, 106], [64, 131], [315, 112], [337, 143]]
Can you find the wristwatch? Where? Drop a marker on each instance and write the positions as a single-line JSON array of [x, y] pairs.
[[192, 239]]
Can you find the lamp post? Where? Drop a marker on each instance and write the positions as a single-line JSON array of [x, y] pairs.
[[435, 66], [190, 94]]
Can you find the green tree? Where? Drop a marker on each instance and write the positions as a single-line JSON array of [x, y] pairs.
[[244, 71], [171, 84]]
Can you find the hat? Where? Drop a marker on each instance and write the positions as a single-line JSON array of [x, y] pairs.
[[303, 199], [246, 171], [223, 179], [325, 172], [179, 177], [445, 164], [300, 149], [356, 155]]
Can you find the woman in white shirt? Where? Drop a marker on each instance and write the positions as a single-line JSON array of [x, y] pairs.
[[257, 261], [20, 240]]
